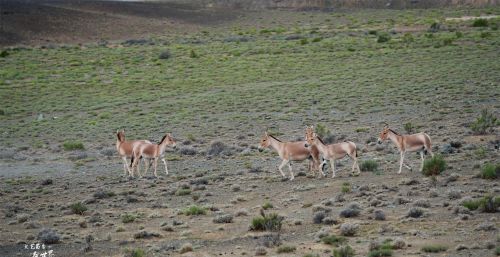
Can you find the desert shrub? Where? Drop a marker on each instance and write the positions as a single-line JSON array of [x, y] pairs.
[[349, 229], [368, 165], [434, 248], [286, 249], [344, 251], [485, 34], [372, 32], [380, 253], [352, 210], [138, 252], [127, 218], [415, 212], [383, 37], [317, 39], [497, 251], [48, 236], [318, 217], [379, 215], [4, 53], [333, 240], [484, 123], [324, 133], [183, 191], [409, 127], [480, 23], [303, 41], [485, 204], [435, 26], [194, 210], [193, 54], [490, 171], [225, 218], [78, 208], [434, 166], [165, 55], [267, 205], [71, 145], [270, 222], [346, 187]]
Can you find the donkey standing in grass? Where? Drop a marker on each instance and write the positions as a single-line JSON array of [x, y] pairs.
[[420, 142], [125, 148], [291, 151], [332, 152], [151, 151]]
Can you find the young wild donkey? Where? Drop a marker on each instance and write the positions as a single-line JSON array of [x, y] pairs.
[[420, 142], [152, 151], [125, 148], [332, 152], [291, 151]]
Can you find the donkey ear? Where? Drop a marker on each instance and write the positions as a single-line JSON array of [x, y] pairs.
[[266, 133]]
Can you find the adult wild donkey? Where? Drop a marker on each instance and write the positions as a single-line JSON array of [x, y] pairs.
[[291, 151], [125, 148], [420, 142], [151, 151]]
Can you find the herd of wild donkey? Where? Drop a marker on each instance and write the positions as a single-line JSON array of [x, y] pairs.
[[312, 148]]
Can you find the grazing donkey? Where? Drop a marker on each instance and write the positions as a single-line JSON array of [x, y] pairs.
[[420, 142], [291, 151], [151, 151], [125, 148], [332, 152]]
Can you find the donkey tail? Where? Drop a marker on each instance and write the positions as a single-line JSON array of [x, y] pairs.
[[132, 160]]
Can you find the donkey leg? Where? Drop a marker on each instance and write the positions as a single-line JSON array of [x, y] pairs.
[[291, 172], [280, 168], [155, 165], [402, 154], [165, 163], [332, 164], [422, 163], [126, 168]]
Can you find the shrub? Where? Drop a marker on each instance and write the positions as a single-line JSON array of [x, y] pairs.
[[348, 229], [345, 251], [369, 165], [490, 171], [372, 32], [138, 252], [193, 54], [484, 123], [434, 27], [194, 210], [434, 248], [409, 127], [379, 215], [267, 205], [318, 217], [183, 191], [4, 53], [434, 166], [271, 222], [71, 145], [78, 208], [497, 251], [303, 41], [480, 23], [226, 218], [415, 212], [383, 37], [317, 39], [127, 218], [485, 204], [187, 247], [286, 249], [165, 55], [380, 253], [324, 133], [48, 236], [333, 240]]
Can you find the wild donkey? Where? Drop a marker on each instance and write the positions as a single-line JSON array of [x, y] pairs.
[[420, 142], [125, 148], [151, 151], [332, 152], [291, 151]]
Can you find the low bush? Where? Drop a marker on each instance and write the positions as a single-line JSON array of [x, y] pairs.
[[334, 240], [485, 123], [71, 145], [434, 248], [344, 251], [480, 23], [269, 222], [490, 171], [434, 166], [369, 165], [78, 208], [286, 249], [194, 210]]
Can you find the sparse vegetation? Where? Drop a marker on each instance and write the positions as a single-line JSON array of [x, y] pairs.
[[434, 248], [383, 37], [343, 251], [334, 240], [380, 253], [194, 210], [480, 23], [128, 217], [267, 205], [71, 145], [78, 208], [286, 249], [490, 171], [138, 252], [409, 127], [484, 123], [434, 166], [368, 165], [183, 191], [267, 222], [484, 204]]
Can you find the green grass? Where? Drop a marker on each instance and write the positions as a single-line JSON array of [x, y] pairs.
[[194, 210], [267, 205], [343, 251], [183, 191], [434, 248], [369, 165], [269, 222], [138, 252], [127, 217], [71, 145], [78, 208], [484, 204], [228, 85], [486, 121], [490, 171], [334, 240], [286, 249], [434, 166], [380, 253]]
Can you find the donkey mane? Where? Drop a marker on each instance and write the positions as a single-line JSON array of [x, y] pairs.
[[120, 138], [274, 138], [321, 140], [163, 139], [394, 132]]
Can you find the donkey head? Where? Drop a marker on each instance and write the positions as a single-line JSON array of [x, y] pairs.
[[310, 135], [264, 142], [383, 134]]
